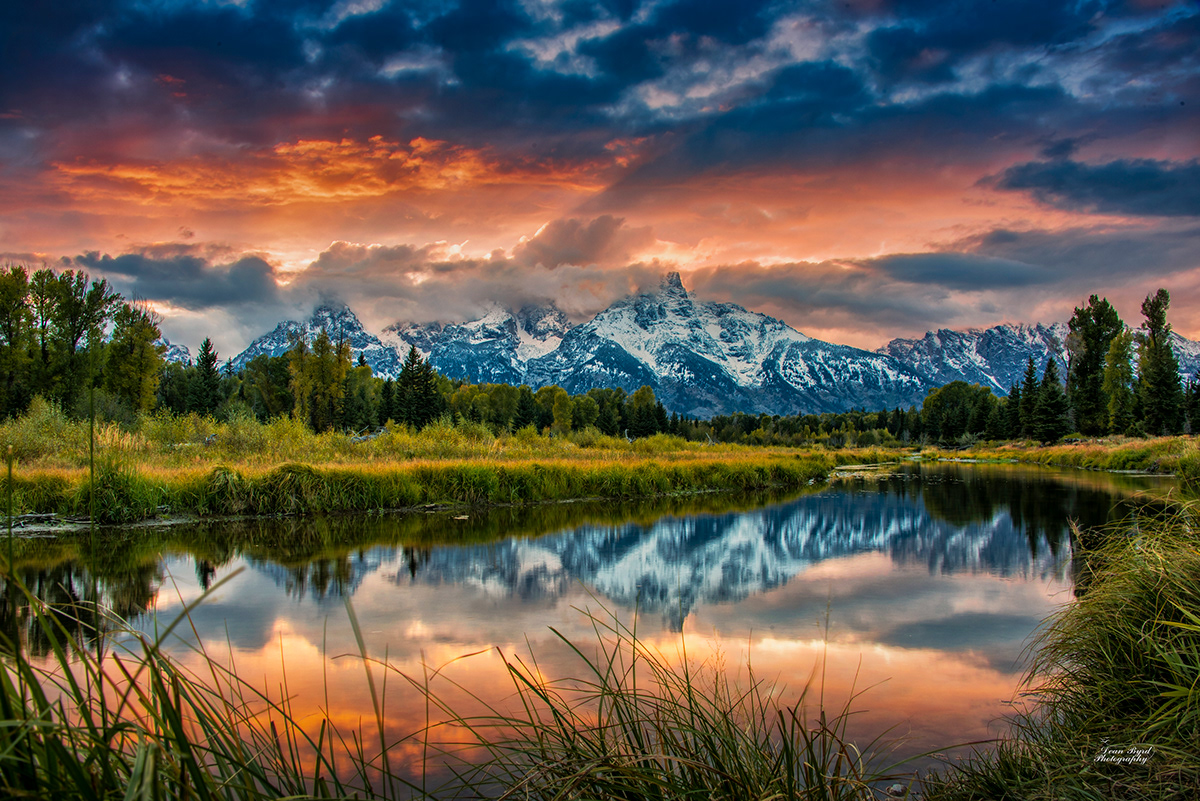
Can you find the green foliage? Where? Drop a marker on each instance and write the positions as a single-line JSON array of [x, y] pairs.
[[134, 357], [418, 401], [957, 409], [1093, 328], [120, 494], [1118, 383], [1030, 391], [1051, 420], [1159, 391], [205, 386]]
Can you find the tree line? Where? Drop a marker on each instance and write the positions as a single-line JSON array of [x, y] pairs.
[[62, 331]]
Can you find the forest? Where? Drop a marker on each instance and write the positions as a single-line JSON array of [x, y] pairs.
[[77, 343]]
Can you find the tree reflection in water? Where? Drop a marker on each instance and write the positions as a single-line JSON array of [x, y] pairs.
[[323, 558]]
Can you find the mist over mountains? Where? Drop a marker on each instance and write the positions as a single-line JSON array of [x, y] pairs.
[[701, 358]]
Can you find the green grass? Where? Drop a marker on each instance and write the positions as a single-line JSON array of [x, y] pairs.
[[123, 493], [1118, 669], [97, 721]]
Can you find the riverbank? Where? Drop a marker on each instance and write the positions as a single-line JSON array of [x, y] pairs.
[[125, 492], [1114, 687], [1178, 455]]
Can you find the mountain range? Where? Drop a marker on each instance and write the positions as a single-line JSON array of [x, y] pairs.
[[701, 358]]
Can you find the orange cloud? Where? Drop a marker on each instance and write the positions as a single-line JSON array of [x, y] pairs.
[[313, 170]]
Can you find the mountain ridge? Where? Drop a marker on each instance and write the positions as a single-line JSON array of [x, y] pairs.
[[701, 358]]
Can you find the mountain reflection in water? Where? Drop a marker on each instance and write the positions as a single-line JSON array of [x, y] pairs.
[[928, 578]]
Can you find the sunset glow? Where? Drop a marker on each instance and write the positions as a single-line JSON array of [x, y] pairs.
[[860, 170]]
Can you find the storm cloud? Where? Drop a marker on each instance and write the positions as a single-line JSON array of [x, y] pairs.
[[1137, 186]]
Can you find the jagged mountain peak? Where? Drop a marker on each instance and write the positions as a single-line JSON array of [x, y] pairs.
[[672, 284], [340, 323]]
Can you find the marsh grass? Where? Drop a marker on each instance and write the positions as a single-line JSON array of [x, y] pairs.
[[1178, 455], [127, 720], [639, 724], [126, 490], [1117, 670]]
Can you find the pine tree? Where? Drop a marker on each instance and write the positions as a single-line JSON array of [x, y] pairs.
[[1092, 330], [1118, 383], [1012, 412], [1051, 420], [1029, 398], [1158, 370], [386, 401], [204, 390]]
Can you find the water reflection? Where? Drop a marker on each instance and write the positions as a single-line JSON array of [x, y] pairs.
[[939, 574]]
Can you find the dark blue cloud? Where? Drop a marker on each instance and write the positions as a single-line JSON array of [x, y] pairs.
[[186, 279], [966, 271], [1087, 257], [479, 25], [734, 23], [1128, 186], [626, 54]]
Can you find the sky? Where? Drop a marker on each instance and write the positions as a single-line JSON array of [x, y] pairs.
[[860, 169]]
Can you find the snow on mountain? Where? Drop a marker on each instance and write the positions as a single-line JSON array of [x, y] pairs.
[[1188, 354], [494, 348], [711, 358], [340, 324], [700, 358], [175, 353], [994, 357]]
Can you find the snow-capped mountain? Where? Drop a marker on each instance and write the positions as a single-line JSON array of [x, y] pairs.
[[711, 358], [175, 353], [700, 358], [993, 357], [341, 324], [496, 348]]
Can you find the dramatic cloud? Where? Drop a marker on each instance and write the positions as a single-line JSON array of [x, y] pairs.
[[1137, 187], [845, 165]]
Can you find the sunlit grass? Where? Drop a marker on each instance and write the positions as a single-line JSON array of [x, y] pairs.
[[194, 465], [1117, 670]]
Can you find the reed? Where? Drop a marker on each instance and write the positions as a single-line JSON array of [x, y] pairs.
[[636, 723], [1114, 677], [132, 723]]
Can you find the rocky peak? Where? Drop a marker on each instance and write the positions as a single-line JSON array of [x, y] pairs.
[[672, 284]]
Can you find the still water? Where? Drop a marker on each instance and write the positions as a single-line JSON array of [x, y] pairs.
[[918, 587]]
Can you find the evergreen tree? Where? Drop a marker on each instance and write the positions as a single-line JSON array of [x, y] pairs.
[[14, 330], [1092, 330], [996, 426], [386, 401], [135, 356], [526, 414], [1012, 412], [1118, 383], [1158, 370], [1051, 420], [204, 390], [1029, 398], [417, 398]]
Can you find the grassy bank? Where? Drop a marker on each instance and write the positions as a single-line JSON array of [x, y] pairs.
[[126, 493], [1115, 681], [1178, 456], [191, 465]]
